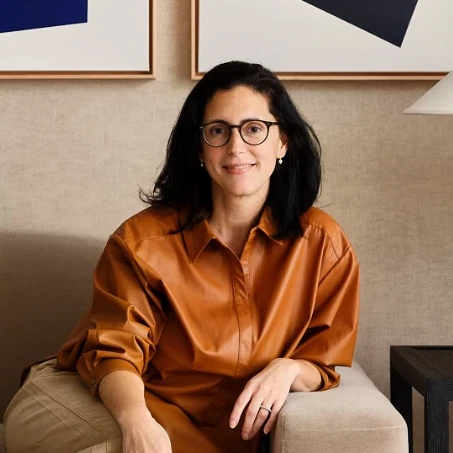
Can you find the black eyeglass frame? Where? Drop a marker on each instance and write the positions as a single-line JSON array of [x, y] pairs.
[[239, 128]]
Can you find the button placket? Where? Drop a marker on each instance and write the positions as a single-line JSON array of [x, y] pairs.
[[240, 270]]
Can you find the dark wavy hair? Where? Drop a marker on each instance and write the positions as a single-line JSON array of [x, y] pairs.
[[184, 184]]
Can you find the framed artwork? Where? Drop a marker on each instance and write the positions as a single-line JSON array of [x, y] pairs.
[[327, 39], [77, 39]]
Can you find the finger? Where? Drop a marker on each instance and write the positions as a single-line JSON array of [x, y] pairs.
[[240, 404], [254, 420], [276, 408], [254, 414], [263, 415]]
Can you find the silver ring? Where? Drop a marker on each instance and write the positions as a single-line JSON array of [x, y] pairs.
[[266, 408]]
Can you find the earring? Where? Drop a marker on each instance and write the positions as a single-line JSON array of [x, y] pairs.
[[280, 160], [201, 163]]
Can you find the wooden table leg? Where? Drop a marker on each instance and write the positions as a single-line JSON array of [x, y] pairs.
[[401, 398], [436, 422]]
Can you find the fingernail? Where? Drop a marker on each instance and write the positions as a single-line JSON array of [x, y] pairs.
[[266, 431], [233, 424], [245, 437]]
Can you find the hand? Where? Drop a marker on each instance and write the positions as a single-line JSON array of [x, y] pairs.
[[142, 434], [269, 389]]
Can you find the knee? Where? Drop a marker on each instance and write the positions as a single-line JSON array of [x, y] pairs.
[[54, 411]]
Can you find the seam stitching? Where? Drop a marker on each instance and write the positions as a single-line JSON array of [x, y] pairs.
[[69, 406]]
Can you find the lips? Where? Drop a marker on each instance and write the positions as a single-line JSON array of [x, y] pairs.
[[238, 166]]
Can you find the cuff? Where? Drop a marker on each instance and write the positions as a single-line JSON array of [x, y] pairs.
[[329, 377], [94, 375]]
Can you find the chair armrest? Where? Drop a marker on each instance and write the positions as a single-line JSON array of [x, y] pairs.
[[355, 417]]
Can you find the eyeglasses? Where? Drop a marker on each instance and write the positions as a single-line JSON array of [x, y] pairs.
[[253, 132]]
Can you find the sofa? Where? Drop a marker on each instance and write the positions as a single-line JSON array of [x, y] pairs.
[[352, 418]]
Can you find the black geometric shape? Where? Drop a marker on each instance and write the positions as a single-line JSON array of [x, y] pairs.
[[16, 15], [386, 19]]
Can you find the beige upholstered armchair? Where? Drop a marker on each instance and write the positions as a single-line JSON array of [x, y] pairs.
[[352, 418]]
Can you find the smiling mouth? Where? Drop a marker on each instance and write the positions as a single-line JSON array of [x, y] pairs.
[[239, 166]]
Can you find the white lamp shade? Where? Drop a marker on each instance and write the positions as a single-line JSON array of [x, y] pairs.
[[438, 100]]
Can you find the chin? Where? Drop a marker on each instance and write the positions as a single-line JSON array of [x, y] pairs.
[[243, 192]]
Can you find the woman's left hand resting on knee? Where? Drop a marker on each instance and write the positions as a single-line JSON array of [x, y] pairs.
[[123, 393], [269, 389]]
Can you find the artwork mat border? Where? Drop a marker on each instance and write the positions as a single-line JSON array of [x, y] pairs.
[[47, 75], [197, 75]]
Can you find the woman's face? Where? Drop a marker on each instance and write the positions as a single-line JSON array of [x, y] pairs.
[[238, 169]]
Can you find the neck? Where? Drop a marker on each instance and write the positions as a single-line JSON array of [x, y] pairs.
[[233, 218]]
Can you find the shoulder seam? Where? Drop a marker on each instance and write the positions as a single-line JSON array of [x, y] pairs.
[[330, 240], [133, 241]]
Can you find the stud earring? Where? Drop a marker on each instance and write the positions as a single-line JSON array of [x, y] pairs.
[[201, 163], [280, 160]]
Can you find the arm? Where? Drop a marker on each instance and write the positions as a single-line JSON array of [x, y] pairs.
[[125, 321], [330, 338], [122, 392], [328, 341]]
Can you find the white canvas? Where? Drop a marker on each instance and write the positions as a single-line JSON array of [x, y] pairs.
[[294, 36], [116, 38]]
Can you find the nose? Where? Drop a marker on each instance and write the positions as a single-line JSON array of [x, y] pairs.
[[235, 143]]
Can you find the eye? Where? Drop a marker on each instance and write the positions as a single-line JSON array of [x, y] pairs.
[[253, 128], [217, 129]]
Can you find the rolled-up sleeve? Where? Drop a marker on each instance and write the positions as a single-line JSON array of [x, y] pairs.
[[331, 335], [126, 317]]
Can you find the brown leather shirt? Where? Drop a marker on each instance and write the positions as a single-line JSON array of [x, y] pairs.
[[195, 322]]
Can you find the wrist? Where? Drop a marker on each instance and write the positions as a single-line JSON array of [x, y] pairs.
[[308, 377], [133, 416], [291, 366]]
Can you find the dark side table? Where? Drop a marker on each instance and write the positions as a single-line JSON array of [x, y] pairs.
[[429, 369]]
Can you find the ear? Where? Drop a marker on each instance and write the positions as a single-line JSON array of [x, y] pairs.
[[282, 144]]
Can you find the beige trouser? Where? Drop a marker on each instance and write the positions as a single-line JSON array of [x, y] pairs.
[[54, 412]]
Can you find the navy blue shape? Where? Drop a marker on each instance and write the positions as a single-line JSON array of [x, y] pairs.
[[386, 19], [16, 15]]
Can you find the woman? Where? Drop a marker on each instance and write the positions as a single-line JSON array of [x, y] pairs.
[[210, 306]]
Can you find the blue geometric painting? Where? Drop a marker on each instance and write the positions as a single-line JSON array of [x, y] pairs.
[[17, 15], [386, 19]]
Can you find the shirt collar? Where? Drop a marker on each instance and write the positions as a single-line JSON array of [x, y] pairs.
[[267, 225], [199, 236]]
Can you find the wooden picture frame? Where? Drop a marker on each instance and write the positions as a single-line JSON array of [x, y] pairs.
[[227, 23], [147, 59]]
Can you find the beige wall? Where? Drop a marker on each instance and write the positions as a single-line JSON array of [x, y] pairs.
[[73, 153]]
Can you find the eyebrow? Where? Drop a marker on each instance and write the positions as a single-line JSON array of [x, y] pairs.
[[218, 120]]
